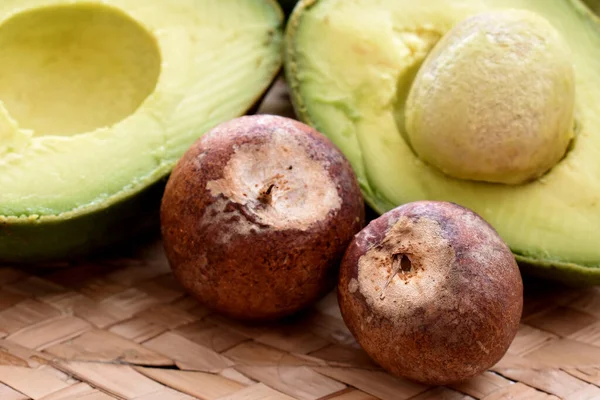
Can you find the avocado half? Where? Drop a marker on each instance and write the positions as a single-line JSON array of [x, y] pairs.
[[350, 65], [99, 99]]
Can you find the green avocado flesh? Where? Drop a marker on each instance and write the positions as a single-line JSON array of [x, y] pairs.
[[99, 99], [350, 65]]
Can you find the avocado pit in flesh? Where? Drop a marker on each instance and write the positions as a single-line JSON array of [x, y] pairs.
[[490, 105], [494, 99]]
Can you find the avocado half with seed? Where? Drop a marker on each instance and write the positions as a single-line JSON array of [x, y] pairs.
[[489, 104], [99, 99]]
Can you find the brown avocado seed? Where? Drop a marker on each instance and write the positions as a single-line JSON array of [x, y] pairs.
[[431, 292], [257, 214]]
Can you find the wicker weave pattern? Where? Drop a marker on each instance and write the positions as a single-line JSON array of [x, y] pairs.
[[124, 329]]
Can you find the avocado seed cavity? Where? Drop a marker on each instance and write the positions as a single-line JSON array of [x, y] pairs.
[[73, 68], [494, 100]]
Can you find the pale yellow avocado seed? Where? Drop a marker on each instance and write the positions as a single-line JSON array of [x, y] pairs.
[[494, 99]]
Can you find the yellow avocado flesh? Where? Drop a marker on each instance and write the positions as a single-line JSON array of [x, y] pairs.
[[73, 69], [351, 64], [100, 98]]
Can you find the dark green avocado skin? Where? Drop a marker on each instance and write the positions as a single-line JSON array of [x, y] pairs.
[[71, 238], [568, 274]]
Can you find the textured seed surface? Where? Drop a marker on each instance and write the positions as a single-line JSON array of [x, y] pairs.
[[257, 215], [448, 315]]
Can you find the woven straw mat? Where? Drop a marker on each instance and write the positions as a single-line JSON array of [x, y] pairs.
[[122, 328]]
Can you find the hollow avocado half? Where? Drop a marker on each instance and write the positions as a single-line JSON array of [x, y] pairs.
[[99, 99], [350, 65]]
